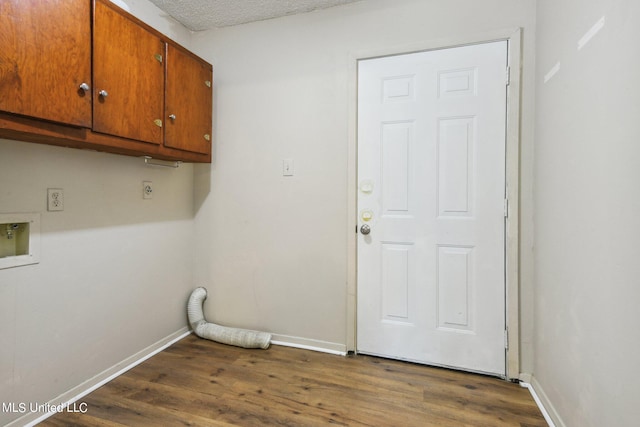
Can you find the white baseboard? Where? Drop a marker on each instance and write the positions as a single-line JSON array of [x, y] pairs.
[[70, 397], [549, 412], [309, 344]]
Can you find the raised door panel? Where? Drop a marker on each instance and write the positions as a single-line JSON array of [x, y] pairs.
[[128, 65], [188, 102], [45, 56]]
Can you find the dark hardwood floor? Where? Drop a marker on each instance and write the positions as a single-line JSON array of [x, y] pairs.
[[197, 382]]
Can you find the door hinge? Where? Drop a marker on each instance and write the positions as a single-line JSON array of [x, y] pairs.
[[506, 208], [506, 339], [508, 76]]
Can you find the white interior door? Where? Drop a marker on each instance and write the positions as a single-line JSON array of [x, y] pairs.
[[431, 177]]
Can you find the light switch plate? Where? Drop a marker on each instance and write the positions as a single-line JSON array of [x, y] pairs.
[[287, 167]]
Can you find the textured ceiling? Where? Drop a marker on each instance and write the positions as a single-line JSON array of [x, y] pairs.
[[200, 15]]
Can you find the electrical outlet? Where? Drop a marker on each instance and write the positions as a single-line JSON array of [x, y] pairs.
[[147, 190], [55, 199]]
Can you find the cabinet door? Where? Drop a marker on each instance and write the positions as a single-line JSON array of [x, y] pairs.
[[189, 102], [45, 57], [128, 76]]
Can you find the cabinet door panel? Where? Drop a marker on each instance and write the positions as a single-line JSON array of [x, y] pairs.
[[45, 55], [189, 102], [125, 65]]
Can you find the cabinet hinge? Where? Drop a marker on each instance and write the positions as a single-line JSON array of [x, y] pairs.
[[158, 57], [158, 122], [508, 76], [506, 208], [506, 339], [207, 83]]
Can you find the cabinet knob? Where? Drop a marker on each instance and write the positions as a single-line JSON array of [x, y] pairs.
[[103, 93], [84, 87], [172, 116]]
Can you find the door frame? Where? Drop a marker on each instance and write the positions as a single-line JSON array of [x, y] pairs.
[[512, 176]]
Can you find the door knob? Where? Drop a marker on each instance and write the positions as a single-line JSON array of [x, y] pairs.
[[84, 87], [365, 229], [103, 93]]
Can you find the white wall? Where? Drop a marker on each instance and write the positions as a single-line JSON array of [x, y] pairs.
[[115, 270], [587, 212], [273, 250]]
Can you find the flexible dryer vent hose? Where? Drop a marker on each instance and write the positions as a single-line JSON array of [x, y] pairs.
[[222, 334]]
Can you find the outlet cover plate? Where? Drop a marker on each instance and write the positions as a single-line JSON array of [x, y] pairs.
[[55, 199], [147, 190]]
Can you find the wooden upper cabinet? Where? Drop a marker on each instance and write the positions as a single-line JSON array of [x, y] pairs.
[[87, 74], [128, 76], [45, 57], [188, 102]]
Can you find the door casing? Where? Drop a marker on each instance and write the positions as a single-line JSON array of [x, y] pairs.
[[514, 40]]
